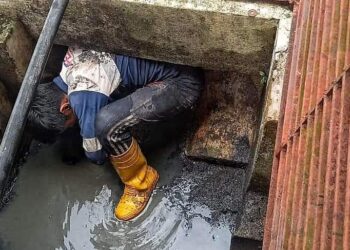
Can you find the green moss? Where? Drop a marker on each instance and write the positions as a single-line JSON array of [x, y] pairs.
[[6, 27]]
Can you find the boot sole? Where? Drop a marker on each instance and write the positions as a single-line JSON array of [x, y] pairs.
[[145, 207]]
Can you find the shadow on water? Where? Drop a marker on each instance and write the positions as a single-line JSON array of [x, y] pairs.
[[57, 206]]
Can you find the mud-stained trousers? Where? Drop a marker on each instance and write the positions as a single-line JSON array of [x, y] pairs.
[[154, 102]]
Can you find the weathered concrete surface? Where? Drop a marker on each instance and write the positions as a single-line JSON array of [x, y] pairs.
[[251, 224], [258, 176], [192, 32], [16, 48], [7, 9], [260, 179], [5, 108], [227, 116]]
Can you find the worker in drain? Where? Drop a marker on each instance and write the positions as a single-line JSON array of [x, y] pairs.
[[108, 94]]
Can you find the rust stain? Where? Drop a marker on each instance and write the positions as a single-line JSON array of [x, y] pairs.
[[309, 200]]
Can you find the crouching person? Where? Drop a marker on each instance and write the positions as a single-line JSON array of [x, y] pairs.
[[107, 95]]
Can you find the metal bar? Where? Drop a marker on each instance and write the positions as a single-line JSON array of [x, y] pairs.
[[297, 183], [299, 85], [289, 201], [16, 124], [333, 43], [281, 173], [314, 168], [341, 171], [316, 62], [302, 69], [324, 49], [312, 185], [303, 107], [346, 241], [344, 15], [282, 210], [310, 66], [270, 212], [347, 52], [287, 123], [321, 175], [305, 181], [326, 232], [296, 105]]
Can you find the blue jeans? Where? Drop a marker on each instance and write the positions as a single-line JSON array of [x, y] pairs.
[[156, 101]]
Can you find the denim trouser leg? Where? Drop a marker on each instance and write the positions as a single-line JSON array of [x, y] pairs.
[[155, 102]]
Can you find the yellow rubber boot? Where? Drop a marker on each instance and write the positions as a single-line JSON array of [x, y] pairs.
[[139, 178]]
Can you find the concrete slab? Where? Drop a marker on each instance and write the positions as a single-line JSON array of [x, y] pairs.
[[227, 116], [16, 47], [212, 34], [258, 176]]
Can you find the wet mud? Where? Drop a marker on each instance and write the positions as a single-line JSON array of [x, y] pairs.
[[57, 206]]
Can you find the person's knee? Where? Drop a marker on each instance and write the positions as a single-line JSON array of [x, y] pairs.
[[190, 84], [190, 96], [109, 118]]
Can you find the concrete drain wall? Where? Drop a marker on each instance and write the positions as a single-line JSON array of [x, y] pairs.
[[243, 46]]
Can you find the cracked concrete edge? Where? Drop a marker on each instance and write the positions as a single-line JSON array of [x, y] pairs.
[[261, 161], [261, 10], [239, 8], [270, 13]]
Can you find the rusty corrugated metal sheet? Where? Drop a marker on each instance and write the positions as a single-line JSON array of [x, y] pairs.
[[309, 200]]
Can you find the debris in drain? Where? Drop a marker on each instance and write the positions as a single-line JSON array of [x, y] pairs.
[[76, 205]]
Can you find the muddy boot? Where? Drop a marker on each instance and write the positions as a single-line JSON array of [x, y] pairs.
[[139, 178]]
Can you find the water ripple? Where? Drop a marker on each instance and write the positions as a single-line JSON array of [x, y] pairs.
[[170, 222]]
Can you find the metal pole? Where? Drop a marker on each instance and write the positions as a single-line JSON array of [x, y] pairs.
[[14, 130]]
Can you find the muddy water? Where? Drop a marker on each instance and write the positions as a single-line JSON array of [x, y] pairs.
[[57, 206]]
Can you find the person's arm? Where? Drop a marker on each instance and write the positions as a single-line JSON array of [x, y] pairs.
[[91, 77], [86, 105]]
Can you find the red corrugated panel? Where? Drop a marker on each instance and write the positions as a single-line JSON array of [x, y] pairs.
[[309, 200], [340, 184], [326, 233], [314, 241], [346, 244], [347, 51], [273, 180]]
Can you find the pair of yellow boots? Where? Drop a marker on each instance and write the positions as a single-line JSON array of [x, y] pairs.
[[139, 178]]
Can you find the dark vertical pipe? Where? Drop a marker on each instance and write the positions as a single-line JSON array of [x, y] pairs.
[[16, 124]]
